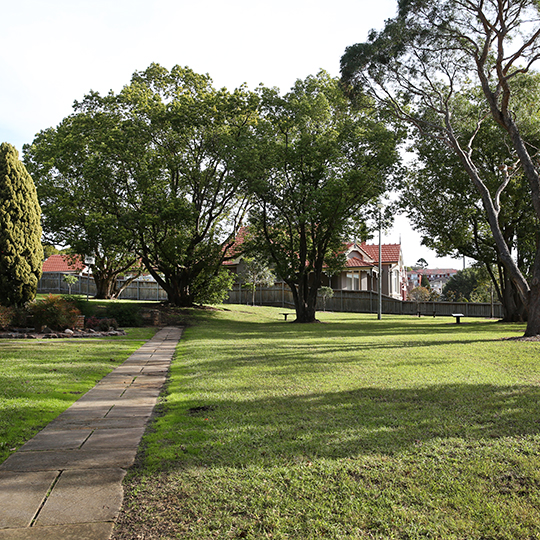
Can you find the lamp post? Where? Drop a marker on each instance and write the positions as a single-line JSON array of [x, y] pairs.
[[379, 281]]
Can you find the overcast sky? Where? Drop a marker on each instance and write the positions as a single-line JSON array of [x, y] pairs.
[[56, 51]]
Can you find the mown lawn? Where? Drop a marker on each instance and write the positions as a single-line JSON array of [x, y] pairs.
[[355, 428], [39, 379]]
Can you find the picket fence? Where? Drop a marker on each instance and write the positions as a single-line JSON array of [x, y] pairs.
[[280, 296]]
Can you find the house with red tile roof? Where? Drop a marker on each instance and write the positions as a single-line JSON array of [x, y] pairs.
[[361, 270], [63, 264]]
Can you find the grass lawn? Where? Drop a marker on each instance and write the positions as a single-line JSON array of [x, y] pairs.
[[403, 428], [39, 379]]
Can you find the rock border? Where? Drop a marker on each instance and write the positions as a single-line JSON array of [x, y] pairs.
[[28, 333]]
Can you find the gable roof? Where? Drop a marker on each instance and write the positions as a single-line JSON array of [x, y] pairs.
[[390, 253], [62, 263]]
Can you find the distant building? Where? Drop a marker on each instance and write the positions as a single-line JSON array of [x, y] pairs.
[[437, 277]]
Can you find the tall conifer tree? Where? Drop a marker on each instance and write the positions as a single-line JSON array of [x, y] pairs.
[[21, 252]]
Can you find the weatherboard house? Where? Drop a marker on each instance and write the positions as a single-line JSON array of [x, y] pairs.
[[361, 272]]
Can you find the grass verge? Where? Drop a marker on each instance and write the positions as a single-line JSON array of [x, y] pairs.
[[403, 428], [39, 379]]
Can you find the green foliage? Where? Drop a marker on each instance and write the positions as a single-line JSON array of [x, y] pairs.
[[212, 289], [471, 284], [321, 163], [84, 306], [167, 157], [70, 170], [425, 282], [435, 67], [255, 272], [70, 279], [127, 315], [326, 293], [21, 252], [6, 315], [55, 312]]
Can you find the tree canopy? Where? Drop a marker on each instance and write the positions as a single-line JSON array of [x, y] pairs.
[[427, 59]]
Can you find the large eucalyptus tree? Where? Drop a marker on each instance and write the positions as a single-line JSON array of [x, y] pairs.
[[433, 53]]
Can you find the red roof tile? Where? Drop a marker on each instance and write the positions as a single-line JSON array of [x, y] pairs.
[[61, 263], [355, 262], [390, 252]]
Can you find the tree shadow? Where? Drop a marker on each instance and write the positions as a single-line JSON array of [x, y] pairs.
[[350, 424]]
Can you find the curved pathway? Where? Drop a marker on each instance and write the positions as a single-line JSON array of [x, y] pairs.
[[66, 482]]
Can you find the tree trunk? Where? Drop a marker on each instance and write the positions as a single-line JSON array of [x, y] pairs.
[[533, 322], [104, 286], [175, 285], [305, 300]]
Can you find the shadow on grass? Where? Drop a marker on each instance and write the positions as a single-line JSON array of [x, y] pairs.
[[348, 424]]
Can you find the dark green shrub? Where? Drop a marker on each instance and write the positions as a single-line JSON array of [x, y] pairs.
[[6, 315], [20, 231], [101, 324], [125, 314], [84, 306], [19, 317], [55, 312], [107, 324]]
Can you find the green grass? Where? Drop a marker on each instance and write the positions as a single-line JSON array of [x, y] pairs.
[[39, 379], [403, 428]]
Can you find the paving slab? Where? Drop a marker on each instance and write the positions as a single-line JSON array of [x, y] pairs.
[[79, 531], [84, 497], [69, 459], [104, 439], [130, 411], [52, 439], [99, 423], [21, 495]]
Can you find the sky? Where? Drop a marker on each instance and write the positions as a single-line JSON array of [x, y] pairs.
[[56, 51]]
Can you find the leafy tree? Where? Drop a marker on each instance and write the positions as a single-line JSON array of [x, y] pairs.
[[321, 163], [175, 155], [256, 272], [455, 223], [68, 169], [467, 284], [435, 52], [48, 250], [326, 292], [421, 263], [420, 294], [424, 282], [70, 279], [21, 252]]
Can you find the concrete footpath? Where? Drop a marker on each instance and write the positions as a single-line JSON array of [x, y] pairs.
[[66, 482]]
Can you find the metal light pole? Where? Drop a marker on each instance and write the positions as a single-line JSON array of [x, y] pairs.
[[379, 283]]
